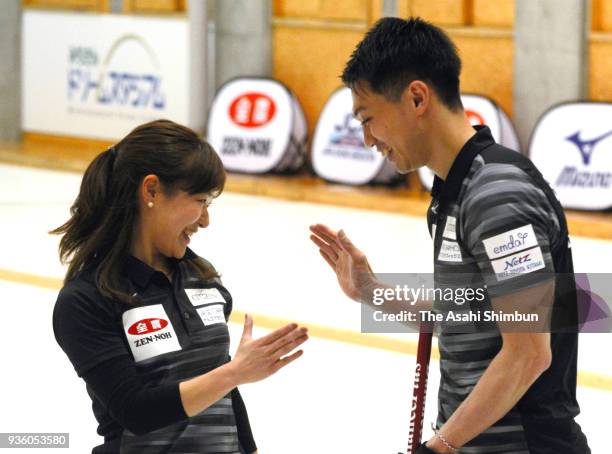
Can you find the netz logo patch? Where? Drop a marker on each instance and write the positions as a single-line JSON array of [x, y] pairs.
[[521, 263], [510, 242], [149, 332], [516, 261]]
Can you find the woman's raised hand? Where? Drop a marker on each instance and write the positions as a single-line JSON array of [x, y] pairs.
[[259, 358]]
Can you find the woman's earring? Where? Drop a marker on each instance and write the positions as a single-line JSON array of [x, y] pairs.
[[150, 204]]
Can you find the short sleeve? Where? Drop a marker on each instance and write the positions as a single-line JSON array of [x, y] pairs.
[[508, 225], [85, 328]]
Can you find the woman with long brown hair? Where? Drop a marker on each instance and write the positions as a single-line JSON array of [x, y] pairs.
[[142, 318]]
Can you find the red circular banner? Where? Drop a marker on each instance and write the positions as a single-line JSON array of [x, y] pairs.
[[474, 117], [252, 110]]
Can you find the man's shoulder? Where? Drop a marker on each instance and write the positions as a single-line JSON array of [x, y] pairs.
[[504, 168], [497, 153], [500, 177]]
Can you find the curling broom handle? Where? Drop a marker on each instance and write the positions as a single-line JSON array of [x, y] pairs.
[[419, 391]]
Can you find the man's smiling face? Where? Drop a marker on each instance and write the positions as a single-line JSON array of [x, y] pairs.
[[391, 126]]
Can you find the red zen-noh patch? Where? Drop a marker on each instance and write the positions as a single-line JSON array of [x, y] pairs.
[[147, 325]]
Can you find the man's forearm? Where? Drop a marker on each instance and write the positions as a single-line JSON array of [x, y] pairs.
[[501, 386]]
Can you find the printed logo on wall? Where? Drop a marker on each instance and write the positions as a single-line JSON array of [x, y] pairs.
[[481, 110], [101, 75], [257, 126], [118, 79], [339, 153], [572, 147]]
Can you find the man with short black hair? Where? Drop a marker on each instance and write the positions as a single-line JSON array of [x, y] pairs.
[[500, 391]]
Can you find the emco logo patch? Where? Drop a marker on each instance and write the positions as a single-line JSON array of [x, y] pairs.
[[147, 325], [510, 242], [252, 110]]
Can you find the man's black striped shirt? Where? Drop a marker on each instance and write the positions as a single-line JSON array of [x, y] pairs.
[[495, 222]]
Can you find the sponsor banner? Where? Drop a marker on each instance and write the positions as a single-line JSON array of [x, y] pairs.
[[149, 332], [257, 126], [572, 147], [339, 153], [99, 76], [482, 111]]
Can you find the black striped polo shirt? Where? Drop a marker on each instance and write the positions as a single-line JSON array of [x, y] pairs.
[[497, 225], [177, 331]]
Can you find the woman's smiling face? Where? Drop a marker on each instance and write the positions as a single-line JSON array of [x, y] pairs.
[[175, 218]]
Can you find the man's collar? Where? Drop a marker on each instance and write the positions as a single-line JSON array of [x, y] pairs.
[[141, 273], [448, 190]]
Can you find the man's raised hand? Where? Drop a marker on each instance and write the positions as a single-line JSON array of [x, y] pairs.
[[349, 263]]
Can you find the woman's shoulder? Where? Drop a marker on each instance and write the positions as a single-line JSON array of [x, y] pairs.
[[80, 296], [83, 281]]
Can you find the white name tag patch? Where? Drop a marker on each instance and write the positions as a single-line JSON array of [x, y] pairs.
[[510, 242], [199, 296], [450, 228], [149, 332], [211, 315], [520, 263], [449, 252]]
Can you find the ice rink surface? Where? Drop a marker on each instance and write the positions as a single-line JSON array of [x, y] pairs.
[[340, 397]]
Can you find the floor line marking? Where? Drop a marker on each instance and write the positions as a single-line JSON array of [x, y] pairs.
[[587, 379]]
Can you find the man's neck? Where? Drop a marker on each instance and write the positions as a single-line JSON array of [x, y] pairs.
[[450, 132]]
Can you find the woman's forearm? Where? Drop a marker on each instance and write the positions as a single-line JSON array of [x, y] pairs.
[[201, 392]]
